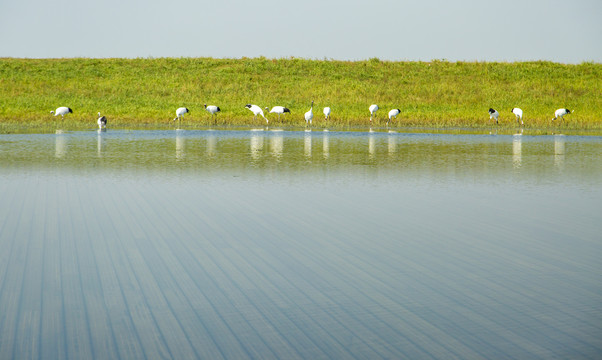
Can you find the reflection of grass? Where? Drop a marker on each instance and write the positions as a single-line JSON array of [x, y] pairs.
[[146, 92]]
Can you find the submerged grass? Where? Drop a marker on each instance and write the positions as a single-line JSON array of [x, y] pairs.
[[146, 92]]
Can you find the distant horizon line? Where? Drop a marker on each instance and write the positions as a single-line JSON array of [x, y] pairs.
[[374, 58]]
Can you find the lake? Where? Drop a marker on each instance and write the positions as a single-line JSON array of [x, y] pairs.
[[290, 244]]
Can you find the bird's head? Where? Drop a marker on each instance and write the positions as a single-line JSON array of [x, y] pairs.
[[205, 106], [568, 111], [99, 113], [248, 106], [266, 108], [491, 111], [71, 111]]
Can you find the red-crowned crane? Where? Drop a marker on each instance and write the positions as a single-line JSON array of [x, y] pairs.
[[493, 114], [212, 109], [519, 115], [326, 113], [310, 114], [102, 121], [373, 109], [180, 113], [279, 110], [560, 114], [63, 110], [393, 114], [256, 111]]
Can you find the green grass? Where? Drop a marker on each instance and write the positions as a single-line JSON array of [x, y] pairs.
[[146, 92]]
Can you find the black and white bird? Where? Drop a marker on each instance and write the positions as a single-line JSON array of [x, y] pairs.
[[63, 110], [212, 109], [279, 110], [519, 115], [493, 114], [373, 109], [560, 114], [256, 111], [180, 113], [393, 114], [310, 114], [326, 113], [102, 121]]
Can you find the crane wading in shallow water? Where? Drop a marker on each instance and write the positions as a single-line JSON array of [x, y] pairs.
[[326, 113], [519, 115], [213, 110], [393, 114], [279, 110], [560, 114], [180, 113], [310, 114], [63, 110], [373, 109], [256, 111], [493, 114], [102, 121]]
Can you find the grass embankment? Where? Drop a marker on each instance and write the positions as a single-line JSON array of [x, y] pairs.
[[142, 92]]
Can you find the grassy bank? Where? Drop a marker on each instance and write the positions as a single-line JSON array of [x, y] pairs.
[[146, 92]]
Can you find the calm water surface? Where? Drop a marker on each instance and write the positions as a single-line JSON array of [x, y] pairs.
[[277, 244]]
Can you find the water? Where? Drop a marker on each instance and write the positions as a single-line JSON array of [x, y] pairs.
[[276, 244]]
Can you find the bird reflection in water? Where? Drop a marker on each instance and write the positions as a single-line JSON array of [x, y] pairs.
[[180, 145], [277, 145], [256, 144], [559, 150], [60, 144], [517, 150]]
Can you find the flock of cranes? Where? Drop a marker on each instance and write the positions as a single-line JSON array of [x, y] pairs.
[[280, 110]]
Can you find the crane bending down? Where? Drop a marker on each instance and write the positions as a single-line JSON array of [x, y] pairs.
[[519, 115], [326, 113], [373, 109], [102, 121], [560, 114], [393, 114], [63, 110], [279, 110], [493, 114], [256, 111], [212, 109], [310, 114], [180, 113]]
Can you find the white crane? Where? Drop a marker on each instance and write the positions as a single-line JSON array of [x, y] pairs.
[[279, 110], [63, 110], [519, 115], [373, 109], [393, 114], [256, 111], [493, 114], [560, 114], [102, 121], [180, 113], [212, 109], [309, 115], [326, 113]]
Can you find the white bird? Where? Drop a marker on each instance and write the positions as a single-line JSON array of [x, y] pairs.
[[560, 114], [493, 114], [519, 115], [102, 121], [212, 109], [326, 113], [309, 115], [256, 111], [373, 110], [180, 113], [279, 110], [63, 110], [393, 114]]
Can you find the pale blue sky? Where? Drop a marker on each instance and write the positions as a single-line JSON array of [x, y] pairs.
[[568, 31]]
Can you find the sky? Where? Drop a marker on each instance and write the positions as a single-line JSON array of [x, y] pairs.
[[567, 31]]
